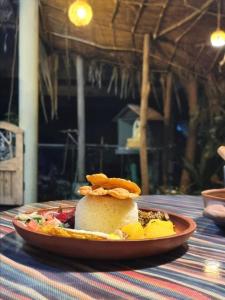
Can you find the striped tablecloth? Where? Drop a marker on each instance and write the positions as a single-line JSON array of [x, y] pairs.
[[193, 271]]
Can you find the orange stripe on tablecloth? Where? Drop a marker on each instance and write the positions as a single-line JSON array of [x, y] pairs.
[[13, 295], [37, 275], [177, 288]]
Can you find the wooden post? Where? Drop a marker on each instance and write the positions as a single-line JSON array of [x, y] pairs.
[[167, 86], [192, 92], [145, 90], [28, 92], [80, 119]]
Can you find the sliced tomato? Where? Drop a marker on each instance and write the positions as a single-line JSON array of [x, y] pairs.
[[32, 225], [62, 217], [65, 216]]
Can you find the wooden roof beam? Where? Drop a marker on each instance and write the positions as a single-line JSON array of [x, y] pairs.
[[46, 3], [214, 14], [124, 49], [198, 55], [187, 19], [162, 13], [115, 11], [138, 16], [219, 51], [179, 38], [131, 2]]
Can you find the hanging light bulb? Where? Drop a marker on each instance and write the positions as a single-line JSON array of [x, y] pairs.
[[80, 13], [218, 36]]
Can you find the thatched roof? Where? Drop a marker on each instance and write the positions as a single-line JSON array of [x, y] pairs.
[[180, 31]]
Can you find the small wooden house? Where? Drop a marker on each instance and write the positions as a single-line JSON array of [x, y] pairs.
[[127, 128]]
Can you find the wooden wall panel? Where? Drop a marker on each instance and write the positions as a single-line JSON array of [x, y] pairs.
[[11, 170]]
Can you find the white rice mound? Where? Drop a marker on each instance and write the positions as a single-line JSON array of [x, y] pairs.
[[104, 213]]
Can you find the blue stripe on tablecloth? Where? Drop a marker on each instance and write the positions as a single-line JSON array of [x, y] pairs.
[[138, 284], [193, 280], [35, 263], [25, 280], [57, 268], [203, 248], [195, 283], [11, 287], [150, 287]]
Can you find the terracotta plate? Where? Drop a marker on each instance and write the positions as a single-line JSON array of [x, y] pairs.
[[107, 249]]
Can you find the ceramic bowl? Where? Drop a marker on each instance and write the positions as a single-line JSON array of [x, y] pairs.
[[214, 205]]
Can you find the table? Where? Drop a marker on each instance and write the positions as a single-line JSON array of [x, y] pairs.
[[192, 271]]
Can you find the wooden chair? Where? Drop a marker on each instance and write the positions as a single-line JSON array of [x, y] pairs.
[[11, 164]]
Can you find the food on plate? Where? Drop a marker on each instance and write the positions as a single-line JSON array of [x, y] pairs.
[[158, 228], [59, 223], [103, 181], [153, 228], [104, 213], [108, 211], [145, 216], [108, 204], [48, 223], [133, 231], [78, 234]]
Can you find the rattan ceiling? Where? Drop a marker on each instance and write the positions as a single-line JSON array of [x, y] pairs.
[[180, 31]]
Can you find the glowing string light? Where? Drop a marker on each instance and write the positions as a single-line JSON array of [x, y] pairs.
[[80, 13], [218, 36]]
